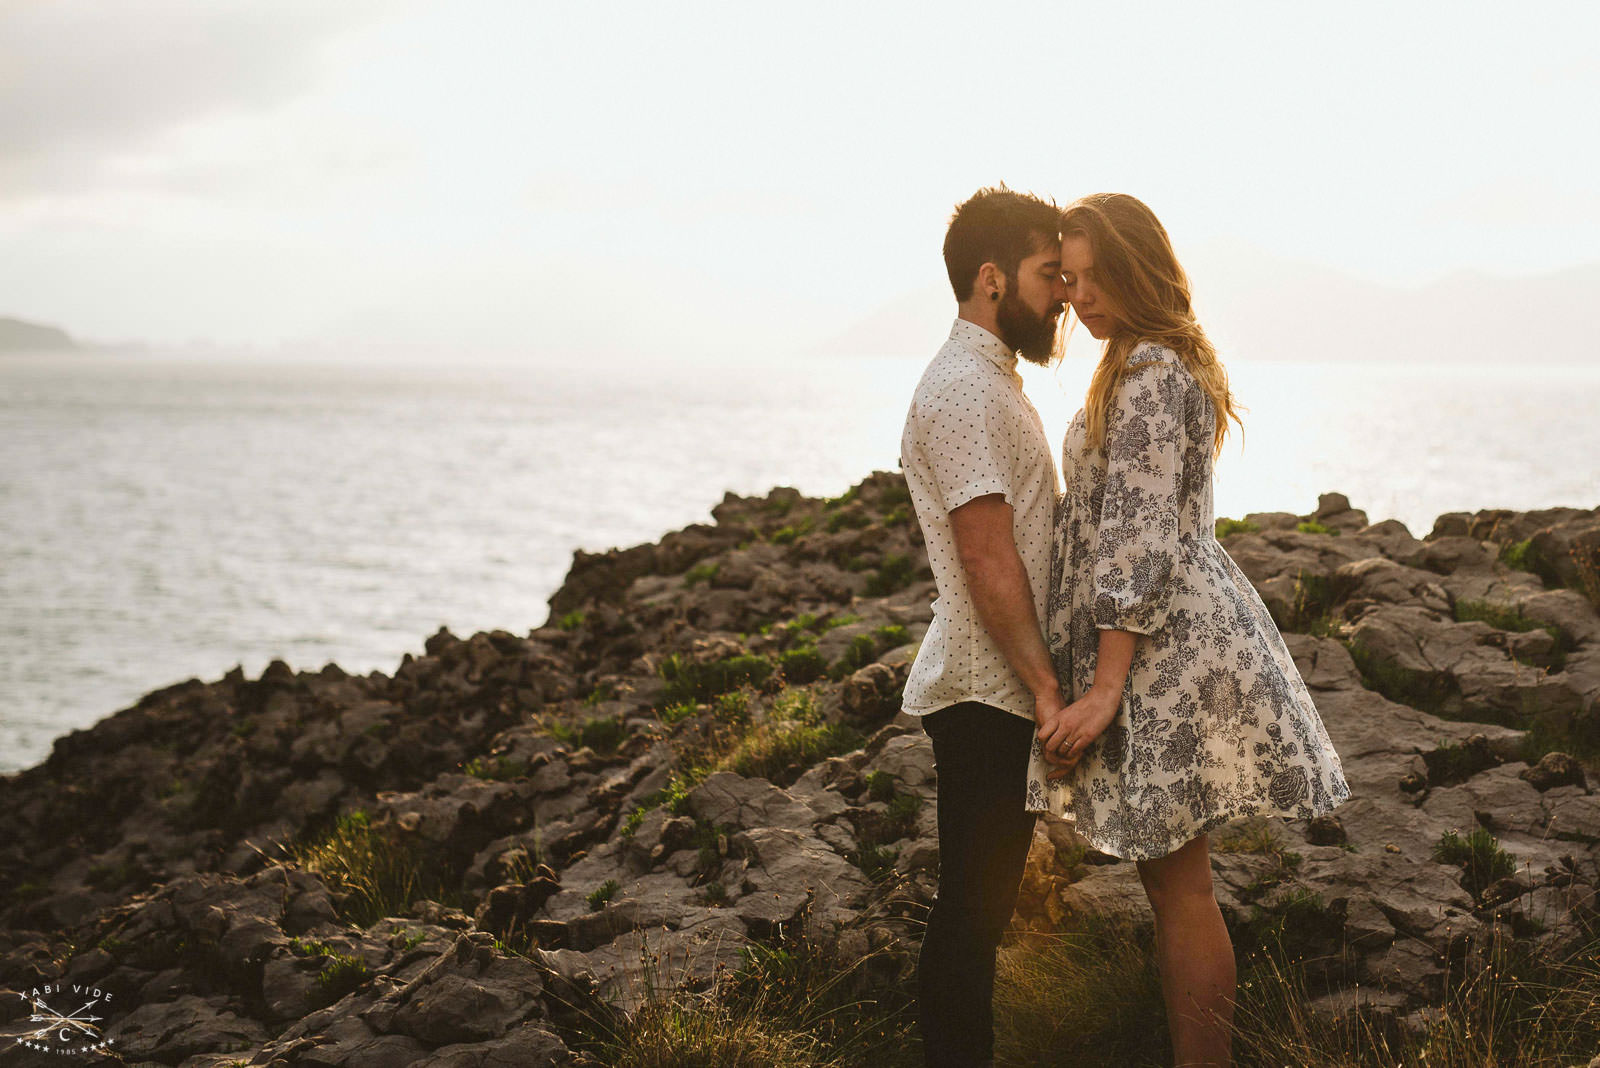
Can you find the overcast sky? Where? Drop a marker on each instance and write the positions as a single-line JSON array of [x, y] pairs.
[[670, 178]]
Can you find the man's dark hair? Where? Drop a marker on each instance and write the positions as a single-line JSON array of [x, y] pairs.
[[996, 226]]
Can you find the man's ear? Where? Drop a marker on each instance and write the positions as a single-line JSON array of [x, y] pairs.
[[991, 282]]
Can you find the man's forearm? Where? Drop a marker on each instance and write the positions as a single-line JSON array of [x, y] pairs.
[[1004, 600]]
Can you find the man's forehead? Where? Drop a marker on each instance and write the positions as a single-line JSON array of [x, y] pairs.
[[1046, 249]]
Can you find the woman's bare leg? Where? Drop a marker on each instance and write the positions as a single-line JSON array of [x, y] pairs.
[[1194, 952]]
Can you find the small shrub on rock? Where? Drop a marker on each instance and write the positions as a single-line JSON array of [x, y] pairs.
[[894, 573], [603, 734], [598, 897], [782, 750], [499, 769], [847, 519], [687, 680], [1226, 527], [802, 664], [380, 870], [732, 708], [1427, 692], [792, 533], [1479, 857], [701, 573], [342, 975], [1518, 554], [676, 712], [880, 786]]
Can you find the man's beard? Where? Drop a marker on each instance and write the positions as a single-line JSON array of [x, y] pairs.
[[1031, 336]]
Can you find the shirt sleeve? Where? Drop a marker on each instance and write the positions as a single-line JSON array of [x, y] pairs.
[[969, 439], [1136, 540]]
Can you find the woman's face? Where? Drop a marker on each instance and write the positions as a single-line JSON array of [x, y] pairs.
[[1096, 311]]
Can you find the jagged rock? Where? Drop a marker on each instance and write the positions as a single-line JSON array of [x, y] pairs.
[[528, 1046], [908, 759], [289, 986], [1324, 663], [1382, 580], [643, 964], [789, 870], [726, 799], [185, 1026], [156, 840], [1326, 830], [1112, 890], [507, 908], [1447, 554], [873, 692], [469, 994], [1554, 769]]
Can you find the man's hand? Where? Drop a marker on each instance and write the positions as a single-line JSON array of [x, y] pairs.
[[1066, 734], [1048, 707]]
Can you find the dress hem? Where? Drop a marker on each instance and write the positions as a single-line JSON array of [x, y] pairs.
[[1204, 827]]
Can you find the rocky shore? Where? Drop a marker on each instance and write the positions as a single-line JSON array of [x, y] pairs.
[[502, 852]]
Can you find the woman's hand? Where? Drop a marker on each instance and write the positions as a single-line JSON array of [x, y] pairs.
[[1067, 735]]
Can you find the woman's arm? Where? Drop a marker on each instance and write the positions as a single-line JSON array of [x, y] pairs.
[[1136, 541], [1087, 718]]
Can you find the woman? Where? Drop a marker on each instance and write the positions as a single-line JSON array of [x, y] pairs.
[[1188, 709]]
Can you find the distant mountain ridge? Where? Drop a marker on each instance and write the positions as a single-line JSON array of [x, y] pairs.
[[1261, 308], [19, 336]]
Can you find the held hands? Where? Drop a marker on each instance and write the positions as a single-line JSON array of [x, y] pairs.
[[1066, 732]]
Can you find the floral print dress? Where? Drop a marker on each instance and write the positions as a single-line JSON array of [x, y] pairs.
[[1215, 721]]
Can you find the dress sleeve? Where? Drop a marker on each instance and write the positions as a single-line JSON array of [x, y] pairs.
[[1136, 540], [969, 439]]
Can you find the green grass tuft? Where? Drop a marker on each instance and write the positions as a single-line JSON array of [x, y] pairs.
[[342, 975], [701, 573], [499, 769], [1421, 690], [1478, 855], [380, 870], [598, 897], [792, 533], [802, 664], [603, 734], [689, 681], [894, 573], [851, 520]]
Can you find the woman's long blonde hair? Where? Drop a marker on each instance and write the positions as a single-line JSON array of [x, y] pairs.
[[1137, 270]]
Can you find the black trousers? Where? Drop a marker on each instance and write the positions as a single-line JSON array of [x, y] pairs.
[[981, 753]]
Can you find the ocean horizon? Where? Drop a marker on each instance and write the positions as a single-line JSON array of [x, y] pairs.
[[167, 518]]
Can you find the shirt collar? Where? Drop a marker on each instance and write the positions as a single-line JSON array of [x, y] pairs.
[[985, 344]]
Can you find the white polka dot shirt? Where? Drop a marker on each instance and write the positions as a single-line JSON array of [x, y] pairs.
[[970, 432]]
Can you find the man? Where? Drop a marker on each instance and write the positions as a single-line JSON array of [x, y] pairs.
[[983, 479]]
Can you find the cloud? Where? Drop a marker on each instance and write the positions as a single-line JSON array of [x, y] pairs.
[[82, 82]]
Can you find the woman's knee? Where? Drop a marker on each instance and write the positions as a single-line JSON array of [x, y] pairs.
[[1179, 880]]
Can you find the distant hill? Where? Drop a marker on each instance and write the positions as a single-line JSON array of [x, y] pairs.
[[19, 336], [1261, 308]]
